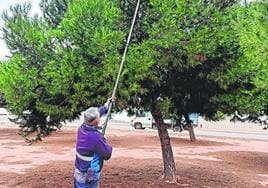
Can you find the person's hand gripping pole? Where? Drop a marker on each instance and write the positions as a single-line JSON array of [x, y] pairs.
[[108, 105]]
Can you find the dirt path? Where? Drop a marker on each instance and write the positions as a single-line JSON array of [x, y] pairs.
[[136, 161]]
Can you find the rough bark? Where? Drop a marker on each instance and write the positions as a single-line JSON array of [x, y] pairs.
[[167, 153], [2, 101]]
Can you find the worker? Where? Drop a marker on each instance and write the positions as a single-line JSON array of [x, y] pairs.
[[91, 149]]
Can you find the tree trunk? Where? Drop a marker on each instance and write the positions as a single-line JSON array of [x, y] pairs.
[[190, 128], [167, 153]]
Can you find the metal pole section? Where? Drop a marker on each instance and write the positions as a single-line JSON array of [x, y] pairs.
[[121, 67]]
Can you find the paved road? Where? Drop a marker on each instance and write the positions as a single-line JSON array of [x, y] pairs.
[[253, 132], [221, 129], [233, 134]]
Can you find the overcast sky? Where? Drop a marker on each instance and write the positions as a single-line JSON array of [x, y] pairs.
[[4, 5]]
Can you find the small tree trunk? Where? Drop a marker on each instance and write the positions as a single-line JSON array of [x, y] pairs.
[[190, 128], [167, 153]]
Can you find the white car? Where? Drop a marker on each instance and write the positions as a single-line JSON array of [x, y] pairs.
[[146, 120]]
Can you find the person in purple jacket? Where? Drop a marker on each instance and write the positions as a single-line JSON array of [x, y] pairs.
[[91, 149]]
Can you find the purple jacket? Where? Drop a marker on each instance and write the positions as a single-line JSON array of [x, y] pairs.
[[91, 150]]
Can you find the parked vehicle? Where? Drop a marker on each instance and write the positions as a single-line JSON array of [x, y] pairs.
[[146, 120]]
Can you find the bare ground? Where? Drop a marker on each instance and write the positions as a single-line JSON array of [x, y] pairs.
[[136, 161]]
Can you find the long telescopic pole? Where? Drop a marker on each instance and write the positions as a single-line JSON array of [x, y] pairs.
[[121, 67]]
